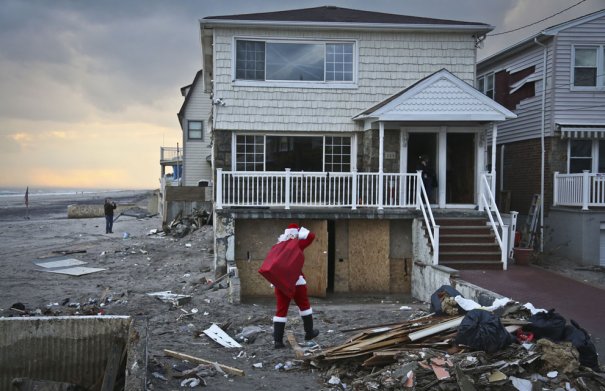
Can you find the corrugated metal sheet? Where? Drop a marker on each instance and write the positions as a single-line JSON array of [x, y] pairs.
[[63, 349]]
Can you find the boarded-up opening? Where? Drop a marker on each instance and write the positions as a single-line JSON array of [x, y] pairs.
[[369, 269]]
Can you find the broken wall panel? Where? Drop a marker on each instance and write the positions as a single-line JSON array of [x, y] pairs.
[[369, 269], [73, 349]]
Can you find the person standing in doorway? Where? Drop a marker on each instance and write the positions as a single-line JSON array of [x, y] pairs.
[[429, 178], [109, 208]]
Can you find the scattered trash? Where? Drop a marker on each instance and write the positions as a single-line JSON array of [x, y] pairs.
[[248, 334], [258, 365], [334, 380], [191, 382], [169, 297], [125, 235], [217, 334]]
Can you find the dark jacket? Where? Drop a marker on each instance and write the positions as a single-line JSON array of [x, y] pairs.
[[109, 207]]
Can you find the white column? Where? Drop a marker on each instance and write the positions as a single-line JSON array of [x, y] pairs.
[[403, 166], [219, 188], [494, 137], [380, 163]]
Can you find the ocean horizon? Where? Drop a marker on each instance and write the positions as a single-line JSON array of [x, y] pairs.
[[50, 191]]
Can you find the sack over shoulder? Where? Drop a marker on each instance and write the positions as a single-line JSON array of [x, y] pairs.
[[283, 265]]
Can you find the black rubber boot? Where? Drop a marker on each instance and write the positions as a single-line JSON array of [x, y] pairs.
[[278, 334], [310, 332]]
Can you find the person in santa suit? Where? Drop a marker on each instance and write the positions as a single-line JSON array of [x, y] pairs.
[[305, 238]]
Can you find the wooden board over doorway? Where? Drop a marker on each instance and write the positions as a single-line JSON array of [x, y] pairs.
[[369, 269], [316, 258]]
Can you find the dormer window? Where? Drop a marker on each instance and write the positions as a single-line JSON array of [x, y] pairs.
[[294, 61]]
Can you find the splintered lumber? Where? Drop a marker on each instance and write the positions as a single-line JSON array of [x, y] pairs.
[[298, 351], [435, 329], [197, 360]]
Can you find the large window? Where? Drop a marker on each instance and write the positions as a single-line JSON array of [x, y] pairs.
[[588, 66], [485, 84], [580, 155], [298, 153], [195, 130], [294, 61]]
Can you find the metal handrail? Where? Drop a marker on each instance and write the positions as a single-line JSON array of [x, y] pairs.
[[491, 209]]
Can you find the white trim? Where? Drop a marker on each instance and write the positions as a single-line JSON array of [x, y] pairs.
[[280, 319], [306, 312], [554, 30], [348, 25], [600, 65]]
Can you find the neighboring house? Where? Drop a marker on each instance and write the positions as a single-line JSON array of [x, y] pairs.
[[319, 117], [569, 116], [189, 185]]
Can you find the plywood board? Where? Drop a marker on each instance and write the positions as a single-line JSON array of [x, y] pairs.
[[60, 263], [316, 258], [369, 268], [75, 271], [401, 275], [252, 283]]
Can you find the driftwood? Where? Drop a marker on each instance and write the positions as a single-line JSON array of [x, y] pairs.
[[298, 352], [197, 360]]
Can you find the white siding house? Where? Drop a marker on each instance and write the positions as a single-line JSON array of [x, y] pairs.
[[320, 116], [561, 111]]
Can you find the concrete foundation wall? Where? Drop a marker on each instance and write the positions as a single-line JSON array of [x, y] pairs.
[[62, 349], [574, 234]]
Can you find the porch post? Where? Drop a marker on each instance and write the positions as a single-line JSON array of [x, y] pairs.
[[219, 188], [494, 137], [354, 189], [380, 163], [555, 186], [585, 189], [403, 166], [287, 194]]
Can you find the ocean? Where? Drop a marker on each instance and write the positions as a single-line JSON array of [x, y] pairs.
[[48, 191]]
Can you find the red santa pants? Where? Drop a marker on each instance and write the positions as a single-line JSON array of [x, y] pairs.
[[283, 302]]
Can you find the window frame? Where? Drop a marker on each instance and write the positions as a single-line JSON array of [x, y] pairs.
[[295, 83], [483, 80], [600, 67], [189, 138], [324, 137], [594, 154]]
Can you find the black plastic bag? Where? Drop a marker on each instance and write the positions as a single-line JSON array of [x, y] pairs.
[[482, 330], [580, 339], [437, 297], [547, 325]]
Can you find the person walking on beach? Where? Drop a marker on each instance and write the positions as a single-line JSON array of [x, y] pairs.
[[283, 268], [109, 207]]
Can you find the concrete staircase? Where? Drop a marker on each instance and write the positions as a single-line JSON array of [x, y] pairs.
[[467, 243]]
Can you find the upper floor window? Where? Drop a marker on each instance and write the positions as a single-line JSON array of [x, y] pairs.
[[485, 84], [195, 130], [294, 61], [588, 66]]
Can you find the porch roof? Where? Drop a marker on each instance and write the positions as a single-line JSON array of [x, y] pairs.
[[438, 97]]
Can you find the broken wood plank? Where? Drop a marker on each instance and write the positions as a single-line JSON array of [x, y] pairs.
[[298, 351], [197, 360], [435, 329]]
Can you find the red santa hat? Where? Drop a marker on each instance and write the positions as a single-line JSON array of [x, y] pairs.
[[295, 226]]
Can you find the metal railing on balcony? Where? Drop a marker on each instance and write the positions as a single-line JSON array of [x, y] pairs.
[[316, 189], [171, 154], [583, 189]]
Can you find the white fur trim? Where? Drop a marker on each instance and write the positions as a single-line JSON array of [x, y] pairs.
[[303, 233], [306, 312], [279, 319], [301, 281], [290, 233]]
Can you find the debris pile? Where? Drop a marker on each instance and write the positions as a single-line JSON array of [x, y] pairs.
[[182, 226], [505, 346]]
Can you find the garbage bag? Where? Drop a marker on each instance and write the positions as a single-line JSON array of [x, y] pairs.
[[549, 325], [440, 294], [482, 330], [580, 339]]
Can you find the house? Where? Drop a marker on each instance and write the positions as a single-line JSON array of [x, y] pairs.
[[189, 185], [554, 81], [319, 117]]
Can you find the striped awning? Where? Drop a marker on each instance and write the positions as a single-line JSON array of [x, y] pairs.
[[582, 131]]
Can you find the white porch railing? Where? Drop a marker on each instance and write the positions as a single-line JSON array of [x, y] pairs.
[[171, 154], [488, 203], [316, 189], [433, 229], [583, 189]]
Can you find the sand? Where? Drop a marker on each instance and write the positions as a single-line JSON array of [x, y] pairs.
[[141, 264]]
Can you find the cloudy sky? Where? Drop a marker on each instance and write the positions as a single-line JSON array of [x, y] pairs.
[[89, 89]]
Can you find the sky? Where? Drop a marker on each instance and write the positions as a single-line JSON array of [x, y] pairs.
[[89, 89]]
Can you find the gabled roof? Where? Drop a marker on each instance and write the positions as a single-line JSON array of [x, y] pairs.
[[438, 97], [546, 33], [186, 91], [343, 17]]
